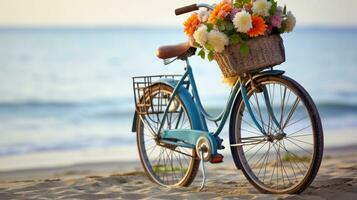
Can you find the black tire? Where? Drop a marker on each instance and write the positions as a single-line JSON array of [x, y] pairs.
[[253, 168], [169, 155]]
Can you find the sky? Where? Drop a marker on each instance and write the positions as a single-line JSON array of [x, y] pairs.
[[152, 13]]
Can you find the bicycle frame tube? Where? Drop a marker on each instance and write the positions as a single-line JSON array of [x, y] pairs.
[[188, 74], [238, 88], [226, 111], [174, 93], [198, 100]]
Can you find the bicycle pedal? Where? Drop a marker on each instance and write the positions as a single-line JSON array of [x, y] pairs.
[[218, 158]]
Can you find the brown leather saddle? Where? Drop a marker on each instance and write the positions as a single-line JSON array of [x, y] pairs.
[[171, 51]]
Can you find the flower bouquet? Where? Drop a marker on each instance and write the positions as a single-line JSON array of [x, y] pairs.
[[241, 36]]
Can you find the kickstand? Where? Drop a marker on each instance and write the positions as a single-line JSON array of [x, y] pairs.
[[203, 172]]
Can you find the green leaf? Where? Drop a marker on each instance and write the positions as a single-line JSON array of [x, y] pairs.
[[229, 25], [282, 28], [195, 44], [219, 21], [209, 47], [202, 54], [244, 49], [240, 3], [210, 56], [209, 27], [284, 10], [220, 24], [235, 39], [274, 6], [244, 36]]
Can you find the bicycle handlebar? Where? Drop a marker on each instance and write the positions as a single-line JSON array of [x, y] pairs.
[[190, 8], [186, 9]]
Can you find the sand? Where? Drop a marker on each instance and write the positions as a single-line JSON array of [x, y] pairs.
[[337, 179]]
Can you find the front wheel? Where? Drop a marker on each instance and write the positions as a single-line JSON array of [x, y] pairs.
[[287, 158]]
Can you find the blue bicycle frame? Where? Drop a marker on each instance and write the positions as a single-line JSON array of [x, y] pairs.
[[198, 115]]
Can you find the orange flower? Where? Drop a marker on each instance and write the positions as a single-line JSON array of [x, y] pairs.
[[220, 11], [259, 27], [191, 24]]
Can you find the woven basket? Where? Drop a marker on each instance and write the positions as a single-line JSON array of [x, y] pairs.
[[264, 52]]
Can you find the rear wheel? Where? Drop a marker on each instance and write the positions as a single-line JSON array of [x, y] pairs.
[[166, 165], [287, 159]]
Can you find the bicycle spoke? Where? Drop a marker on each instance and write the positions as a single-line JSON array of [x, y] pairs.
[[292, 110], [282, 105], [299, 120], [300, 141], [299, 146], [299, 130], [297, 157], [282, 164], [302, 135], [265, 157], [260, 117], [252, 126], [257, 151], [256, 133], [260, 113], [266, 163]]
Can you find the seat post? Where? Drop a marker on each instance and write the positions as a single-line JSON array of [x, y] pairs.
[[188, 65]]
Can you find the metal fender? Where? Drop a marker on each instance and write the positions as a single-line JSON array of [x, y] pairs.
[[187, 100], [269, 72]]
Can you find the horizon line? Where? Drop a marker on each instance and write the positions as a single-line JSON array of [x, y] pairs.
[[148, 27]]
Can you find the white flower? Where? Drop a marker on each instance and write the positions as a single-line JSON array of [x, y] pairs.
[[203, 15], [191, 41], [200, 35], [261, 7], [279, 11], [290, 22], [218, 40], [243, 21]]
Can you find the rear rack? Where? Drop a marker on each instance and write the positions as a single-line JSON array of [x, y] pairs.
[[145, 101]]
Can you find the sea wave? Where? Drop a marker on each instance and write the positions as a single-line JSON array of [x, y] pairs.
[[119, 108], [68, 145], [61, 104]]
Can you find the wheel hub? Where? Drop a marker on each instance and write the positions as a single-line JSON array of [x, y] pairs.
[[277, 137]]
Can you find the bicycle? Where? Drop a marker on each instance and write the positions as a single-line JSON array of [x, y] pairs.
[[275, 132]]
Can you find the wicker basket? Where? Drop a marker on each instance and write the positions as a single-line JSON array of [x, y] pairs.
[[264, 52]]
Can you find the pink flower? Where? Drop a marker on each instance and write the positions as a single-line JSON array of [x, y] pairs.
[[270, 29], [276, 21], [234, 12]]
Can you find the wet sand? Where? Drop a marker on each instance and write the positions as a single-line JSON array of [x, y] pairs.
[[337, 179]]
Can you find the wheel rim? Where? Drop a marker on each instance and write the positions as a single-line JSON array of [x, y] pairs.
[[276, 163], [166, 165]]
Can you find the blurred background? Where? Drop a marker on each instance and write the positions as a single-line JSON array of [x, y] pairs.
[[66, 68]]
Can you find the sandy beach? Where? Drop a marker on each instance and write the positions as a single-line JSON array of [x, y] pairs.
[[337, 179]]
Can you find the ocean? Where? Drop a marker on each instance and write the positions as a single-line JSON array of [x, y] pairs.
[[70, 89]]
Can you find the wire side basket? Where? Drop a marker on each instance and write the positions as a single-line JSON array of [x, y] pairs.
[[146, 102]]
